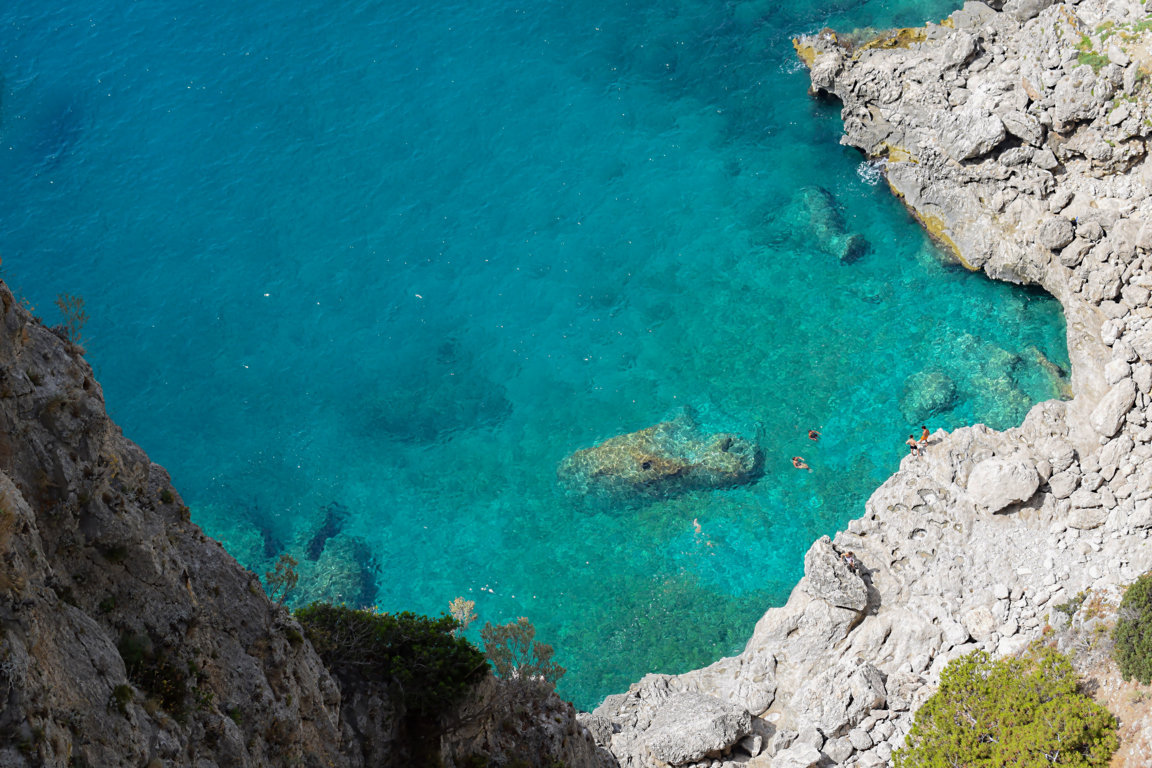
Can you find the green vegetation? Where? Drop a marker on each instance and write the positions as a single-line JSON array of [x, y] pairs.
[[1133, 633], [515, 656], [1069, 608], [120, 698], [153, 672], [415, 655], [1089, 56], [1023, 712]]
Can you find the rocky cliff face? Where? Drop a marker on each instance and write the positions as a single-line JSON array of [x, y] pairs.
[[129, 638], [1017, 133]]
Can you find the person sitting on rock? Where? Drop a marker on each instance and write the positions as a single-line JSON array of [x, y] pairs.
[[913, 446], [851, 561], [799, 463]]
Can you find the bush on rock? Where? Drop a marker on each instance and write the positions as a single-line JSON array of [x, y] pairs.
[[1024, 712], [417, 656], [1133, 633]]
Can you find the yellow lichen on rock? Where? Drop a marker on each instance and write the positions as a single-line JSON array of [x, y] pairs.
[[897, 154], [938, 231], [896, 38], [806, 53]]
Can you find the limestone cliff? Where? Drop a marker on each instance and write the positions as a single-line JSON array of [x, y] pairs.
[[129, 638]]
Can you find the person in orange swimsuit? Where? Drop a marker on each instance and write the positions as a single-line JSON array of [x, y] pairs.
[[924, 436]]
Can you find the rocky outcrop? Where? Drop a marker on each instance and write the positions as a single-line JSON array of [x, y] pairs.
[[129, 638], [1016, 133], [663, 721], [668, 458], [828, 576]]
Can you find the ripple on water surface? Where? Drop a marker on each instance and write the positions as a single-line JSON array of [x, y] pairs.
[[361, 276]]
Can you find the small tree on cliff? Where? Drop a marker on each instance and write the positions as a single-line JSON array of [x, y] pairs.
[[1025, 713], [514, 654]]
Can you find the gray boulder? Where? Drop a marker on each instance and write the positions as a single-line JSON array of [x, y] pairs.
[[798, 756], [997, 482], [1108, 415], [1023, 10], [689, 726], [827, 577], [840, 697], [1055, 233], [1079, 95], [1086, 518], [1024, 127], [966, 135]]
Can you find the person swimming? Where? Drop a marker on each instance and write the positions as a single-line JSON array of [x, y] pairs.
[[799, 463], [813, 434]]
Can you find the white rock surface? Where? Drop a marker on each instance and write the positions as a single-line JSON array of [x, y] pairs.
[[995, 483]]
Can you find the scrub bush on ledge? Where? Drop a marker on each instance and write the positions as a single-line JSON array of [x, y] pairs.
[[1133, 633], [416, 656], [1023, 712], [516, 656]]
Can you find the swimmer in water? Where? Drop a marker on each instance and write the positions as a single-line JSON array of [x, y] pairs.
[[813, 434], [798, 462]]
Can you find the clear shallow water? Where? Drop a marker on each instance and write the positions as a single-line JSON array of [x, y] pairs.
[[396, 262]]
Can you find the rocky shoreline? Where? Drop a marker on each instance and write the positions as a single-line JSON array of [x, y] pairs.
[[1016, 132]]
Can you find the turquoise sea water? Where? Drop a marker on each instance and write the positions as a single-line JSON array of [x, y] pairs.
[[361, 274]]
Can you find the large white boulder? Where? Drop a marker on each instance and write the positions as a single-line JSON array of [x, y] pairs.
[[997, 482], [828, 577], [1108, 415], [689, 726]]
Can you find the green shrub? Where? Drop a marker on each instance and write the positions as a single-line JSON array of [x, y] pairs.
[[1025, 713], [416, 655], [1133, 633]]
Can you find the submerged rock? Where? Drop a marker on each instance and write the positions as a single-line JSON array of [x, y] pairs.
[[668, 458], [432, 395], [927, 392], [826, 225]]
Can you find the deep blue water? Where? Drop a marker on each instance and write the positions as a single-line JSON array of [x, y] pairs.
[[376, 268]]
